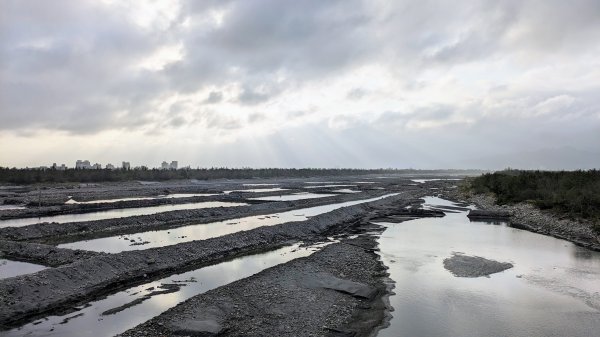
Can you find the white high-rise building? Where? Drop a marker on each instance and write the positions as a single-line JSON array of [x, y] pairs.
[[97, 166], [83, 165], [126, 165], [173, 165], [164, 166], [110, 166]]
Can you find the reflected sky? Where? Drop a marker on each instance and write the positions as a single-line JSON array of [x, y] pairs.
[[551, 290], [12, 207], [435, 179], [326, 186], [345, 190], [10, 268], [259, 190], [152, 239], [89, 321], [295, 196], [162, 196], [115, 213]]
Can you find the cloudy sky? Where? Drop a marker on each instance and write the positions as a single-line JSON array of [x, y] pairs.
[[323, 83]]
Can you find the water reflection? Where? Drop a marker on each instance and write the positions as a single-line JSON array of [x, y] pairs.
[[3, 207], [434, 179], [295, 196], [327, 186], [115, 213], [345, 190], [551, 291], [258, 190], [10, 268], [151, 239], [162, 196], [89, 321]]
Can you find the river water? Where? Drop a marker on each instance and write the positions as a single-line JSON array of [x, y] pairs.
[[93, 320], [162, 196], [115, 213], [9, 268], [552, 290], [295, 196], [161, 238]]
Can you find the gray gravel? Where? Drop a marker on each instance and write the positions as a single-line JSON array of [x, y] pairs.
[[56, 233], [473, 266], [42, 254], [26, 296], [334, 292]]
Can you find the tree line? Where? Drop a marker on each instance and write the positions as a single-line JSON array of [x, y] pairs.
[[31, 176], [574, 193]]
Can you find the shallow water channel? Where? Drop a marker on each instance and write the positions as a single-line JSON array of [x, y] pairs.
[[552, 290], [160, 238], [9, 268], [89, 320], [162, 196], [295, 196], [115, 213]]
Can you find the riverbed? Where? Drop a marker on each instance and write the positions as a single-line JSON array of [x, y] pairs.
[[552, 290]]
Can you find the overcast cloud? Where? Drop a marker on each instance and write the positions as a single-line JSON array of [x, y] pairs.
[[339, 83]]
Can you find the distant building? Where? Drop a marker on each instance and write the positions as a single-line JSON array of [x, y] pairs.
[[83, 165], [166, 166], [97, 166], [110, 166], [62, 167], [126, 165]]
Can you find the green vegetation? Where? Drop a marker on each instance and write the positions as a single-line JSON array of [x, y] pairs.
[[31, 176], [574, 193]]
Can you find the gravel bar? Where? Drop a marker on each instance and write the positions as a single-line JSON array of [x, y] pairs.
[[334, 292], [56, 233], [27, 296]]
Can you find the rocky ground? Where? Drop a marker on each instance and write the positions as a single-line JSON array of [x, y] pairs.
[[25, 297], [337, 291], [473, 266], [56, 233]]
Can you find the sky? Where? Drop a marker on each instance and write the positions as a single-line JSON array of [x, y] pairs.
[[315, 83]]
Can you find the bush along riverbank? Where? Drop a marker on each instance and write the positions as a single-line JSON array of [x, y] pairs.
[[526, 214], [574, 194]]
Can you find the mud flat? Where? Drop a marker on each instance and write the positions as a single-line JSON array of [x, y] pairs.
[[334, 292], [25, 297]]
